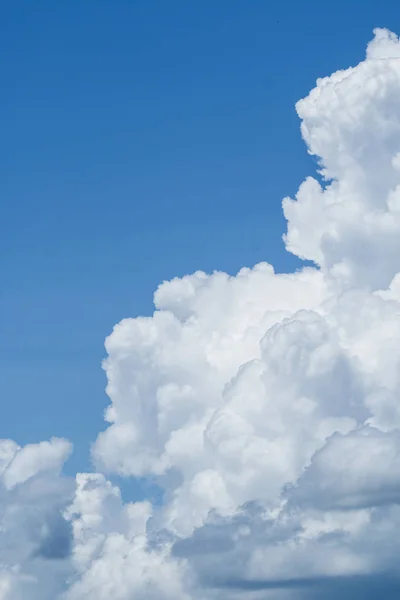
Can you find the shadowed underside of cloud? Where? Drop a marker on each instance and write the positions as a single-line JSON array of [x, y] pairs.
[[368, 587], [265, 406]]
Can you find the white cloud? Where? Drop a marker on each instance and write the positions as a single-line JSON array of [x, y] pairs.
[[358, 470], [351, 122], [167, 373], [35, 539], [111, 548], [35, 458], [265, 405]]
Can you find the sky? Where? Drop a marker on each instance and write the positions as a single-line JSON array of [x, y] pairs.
[[193, 218], [142, 141]]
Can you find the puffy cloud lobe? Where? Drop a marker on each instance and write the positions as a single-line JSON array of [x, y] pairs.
[[350, 121], [166, 372], [265, 405], [353, 471], [33, 459], [111, 551], [33, 530]]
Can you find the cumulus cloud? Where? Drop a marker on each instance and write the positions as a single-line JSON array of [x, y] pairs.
[[264, 405], [350, 121], [33, 459], [358, 470], [35, 539]]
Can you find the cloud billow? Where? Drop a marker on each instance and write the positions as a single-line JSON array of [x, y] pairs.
[[264, 405]]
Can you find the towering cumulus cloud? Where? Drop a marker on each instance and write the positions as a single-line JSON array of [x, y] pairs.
[[265, 406]]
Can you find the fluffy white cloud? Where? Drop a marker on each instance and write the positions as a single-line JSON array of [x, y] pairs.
[[35, 539], [167, 373], [33, 459], [350, 121], [357, 470], [111, 549], [264, 405]]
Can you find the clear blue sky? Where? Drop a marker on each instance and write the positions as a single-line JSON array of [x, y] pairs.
[[142, 140]]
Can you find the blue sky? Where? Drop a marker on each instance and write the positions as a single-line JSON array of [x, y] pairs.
[[141, 141]]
